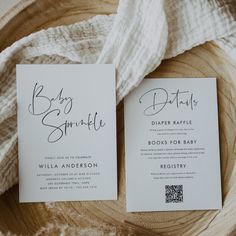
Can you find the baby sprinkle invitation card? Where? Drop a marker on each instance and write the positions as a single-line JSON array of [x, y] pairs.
[[66, 132], [172, 146]]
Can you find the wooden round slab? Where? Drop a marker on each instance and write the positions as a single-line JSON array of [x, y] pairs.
[[110, 217]]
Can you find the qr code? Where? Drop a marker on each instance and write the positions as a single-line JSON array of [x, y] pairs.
[[174, 193]]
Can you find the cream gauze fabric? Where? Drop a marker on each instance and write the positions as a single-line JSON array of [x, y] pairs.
[[136, 40]]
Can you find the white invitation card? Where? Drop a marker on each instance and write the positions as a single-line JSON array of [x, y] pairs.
[[66, 132], [172, 146]]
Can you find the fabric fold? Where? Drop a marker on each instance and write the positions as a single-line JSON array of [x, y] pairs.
[[135, 46]]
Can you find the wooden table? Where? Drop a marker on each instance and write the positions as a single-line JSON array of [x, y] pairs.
[[106, 217]]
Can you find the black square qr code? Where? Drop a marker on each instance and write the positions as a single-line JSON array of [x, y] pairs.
[[174, 193]]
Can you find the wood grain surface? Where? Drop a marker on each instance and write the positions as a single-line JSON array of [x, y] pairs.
[[110, 217]]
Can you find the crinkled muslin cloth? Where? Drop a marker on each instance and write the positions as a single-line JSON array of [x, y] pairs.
[[136, 40]]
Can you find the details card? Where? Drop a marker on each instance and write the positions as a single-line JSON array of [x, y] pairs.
[[66, 132], [172, 146]]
